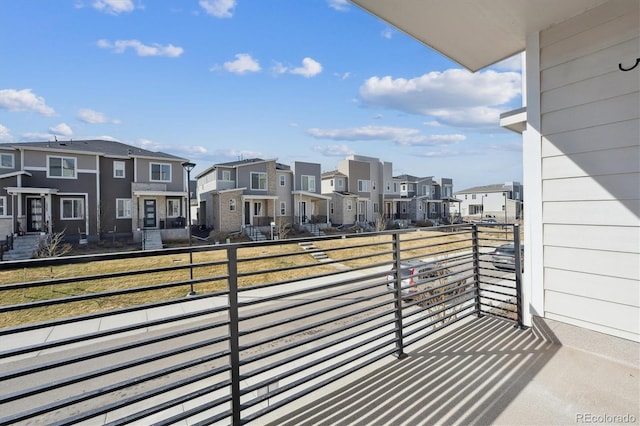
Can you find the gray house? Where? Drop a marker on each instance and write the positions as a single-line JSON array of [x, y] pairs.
[[91, 187]]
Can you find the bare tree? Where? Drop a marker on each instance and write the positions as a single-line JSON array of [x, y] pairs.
[[381, 223], [52, 245], [283, 227]]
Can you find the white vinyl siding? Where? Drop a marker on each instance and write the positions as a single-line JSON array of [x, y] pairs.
[[590, 166]]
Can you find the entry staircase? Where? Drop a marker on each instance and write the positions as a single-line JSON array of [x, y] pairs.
[[151, 239], [24, 247]]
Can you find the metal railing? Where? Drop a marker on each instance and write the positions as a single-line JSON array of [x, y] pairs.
[[113, 336]]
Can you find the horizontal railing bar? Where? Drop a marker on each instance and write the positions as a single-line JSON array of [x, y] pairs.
[[483, 291], [91, 296], [416, 339], [499, 316], [321, 336], [312, 325], [102, 352], [114, 312], [199, 409]]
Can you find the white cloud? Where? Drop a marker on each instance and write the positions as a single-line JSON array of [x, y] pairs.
[[454, 97], [5, 134], [34, 136], [94, 117], [513, 63], [24, 100], [431, 140], [340, 5], [387, 33], [113, 7], [243, 64], [308, 69], [61, 129], [366, 133], [155, 49], [342, 76], [333, 150], [237, 154], [218, 8]]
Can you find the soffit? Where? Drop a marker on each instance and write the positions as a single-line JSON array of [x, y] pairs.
[[475, 33]]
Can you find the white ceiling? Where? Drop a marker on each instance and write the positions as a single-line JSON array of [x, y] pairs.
[[475, 33]]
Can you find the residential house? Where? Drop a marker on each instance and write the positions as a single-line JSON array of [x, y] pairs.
[[90, 187], [249, 193], [580, 127], [342, 204], [502, 202], [310, 206]]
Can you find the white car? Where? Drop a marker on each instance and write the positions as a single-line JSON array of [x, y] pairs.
[[410, 272]]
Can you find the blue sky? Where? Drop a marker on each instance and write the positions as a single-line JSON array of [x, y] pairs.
[[219, 80]]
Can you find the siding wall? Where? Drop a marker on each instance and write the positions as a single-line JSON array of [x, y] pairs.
[[590, 165]]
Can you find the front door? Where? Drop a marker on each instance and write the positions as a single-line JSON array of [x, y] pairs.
[[34, 214], [247, 213], [149, 213], [303, 212]]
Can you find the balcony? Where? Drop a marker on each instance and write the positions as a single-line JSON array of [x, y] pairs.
[[269, 334]]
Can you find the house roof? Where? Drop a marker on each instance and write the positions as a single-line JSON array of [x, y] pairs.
[[332, 173], [486, 188], [475, 33], [410, 178], [95, 146]]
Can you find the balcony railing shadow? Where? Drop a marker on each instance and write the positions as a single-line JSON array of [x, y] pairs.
[[467, 375]]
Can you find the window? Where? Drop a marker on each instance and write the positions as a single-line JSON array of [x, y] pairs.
[[3, 206], [6, 161], [259, 181], [388, 186], [473, 196], [123, 208], [425, 190], [72, 208], [283, 208], [62, 167], [395, 187], [363, 186], [232, 205], [373, 186], [226, 175], [349, 205], [309, 183], [331, 207], [331, 183], [282, 180], [403, 187], [340, 183], [375, 207], [161, 172], [173, 208], [118, 169], [257, 209]]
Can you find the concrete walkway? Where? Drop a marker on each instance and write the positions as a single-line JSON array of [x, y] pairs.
[[480, 373]]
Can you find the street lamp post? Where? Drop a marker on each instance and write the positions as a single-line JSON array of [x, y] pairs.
[[188, 167]]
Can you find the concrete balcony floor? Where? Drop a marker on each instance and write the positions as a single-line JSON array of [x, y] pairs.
[[482, 371]]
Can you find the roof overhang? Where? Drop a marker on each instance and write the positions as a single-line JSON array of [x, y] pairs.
[[475, 33], [14, 190], [159, 193], [311, 195], [515, 120], [16, 173], [259, 197]]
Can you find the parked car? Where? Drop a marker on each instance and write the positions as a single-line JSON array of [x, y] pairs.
[[411, 272], [504, 257]]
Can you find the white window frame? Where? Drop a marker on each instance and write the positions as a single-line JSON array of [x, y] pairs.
[[349, 205], [257, 209], [339, 183], [283, 208], [331, 207], [173, 207], [3, 206], [62, 169], [7, 156], [363, 185], [124, 205], [161, 166], [282, 180], [119, 166], [226, 175], [308, 183], [261, 179], [79, 209], [232, 205]]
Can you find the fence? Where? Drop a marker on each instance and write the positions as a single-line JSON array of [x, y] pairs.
[[114, 339]]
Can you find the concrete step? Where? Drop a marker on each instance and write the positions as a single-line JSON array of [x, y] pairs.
[[152, 240]]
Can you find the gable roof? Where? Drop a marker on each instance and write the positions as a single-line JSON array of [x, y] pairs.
[[475, 33], [486, 188], [94, 146]]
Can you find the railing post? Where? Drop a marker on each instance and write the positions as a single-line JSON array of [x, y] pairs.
[[400, 354], [518, 268], [234, 335], [476, 267]]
